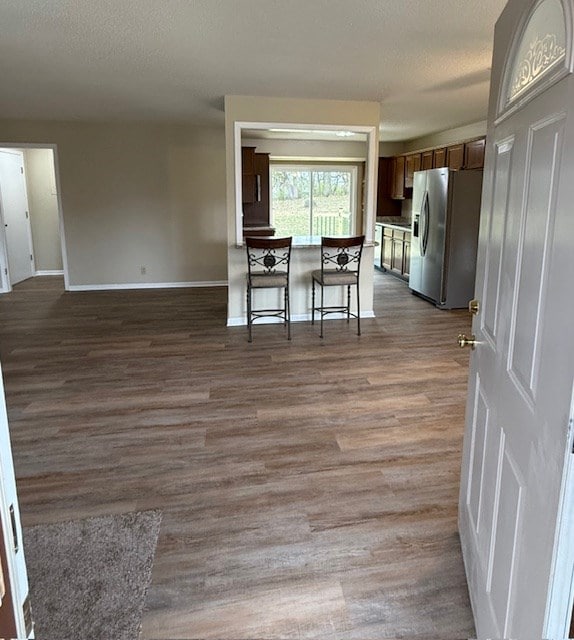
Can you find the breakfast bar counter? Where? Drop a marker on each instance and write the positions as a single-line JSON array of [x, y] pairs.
[[305, 257]]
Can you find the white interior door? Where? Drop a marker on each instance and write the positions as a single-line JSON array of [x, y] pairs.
[[14, 204], [517, 437], [11, 526]]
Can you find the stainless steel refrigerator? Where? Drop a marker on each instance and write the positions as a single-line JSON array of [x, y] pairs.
[[445, 218]]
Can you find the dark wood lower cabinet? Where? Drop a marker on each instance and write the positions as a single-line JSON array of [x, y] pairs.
[[407, 255], [395, 252], [387, 249]]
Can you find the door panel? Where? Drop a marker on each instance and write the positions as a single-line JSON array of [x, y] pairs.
[[506, 541], [479, 437], [543, 165], [522, 371], [496, 234]]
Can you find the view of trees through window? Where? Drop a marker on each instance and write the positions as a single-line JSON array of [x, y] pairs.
[[312, 200]]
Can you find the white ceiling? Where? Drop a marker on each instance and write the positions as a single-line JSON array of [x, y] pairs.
[[426, 61]]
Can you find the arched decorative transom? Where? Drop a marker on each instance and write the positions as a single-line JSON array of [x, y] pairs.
[[541, 54]]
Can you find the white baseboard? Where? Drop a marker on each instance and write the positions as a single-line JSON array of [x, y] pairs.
[[49, 272], [146, 285], [306, 317]]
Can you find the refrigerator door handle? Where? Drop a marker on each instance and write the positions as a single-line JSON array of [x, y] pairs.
[[425, 214]]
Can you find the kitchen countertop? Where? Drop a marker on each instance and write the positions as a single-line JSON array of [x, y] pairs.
[[395, 222], [305, 242]]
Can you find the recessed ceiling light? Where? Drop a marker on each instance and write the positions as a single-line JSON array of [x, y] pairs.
[[325, 132]]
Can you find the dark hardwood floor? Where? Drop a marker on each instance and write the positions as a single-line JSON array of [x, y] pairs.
[[309, 488]]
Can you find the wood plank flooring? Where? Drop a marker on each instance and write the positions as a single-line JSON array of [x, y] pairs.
[[309, 488]]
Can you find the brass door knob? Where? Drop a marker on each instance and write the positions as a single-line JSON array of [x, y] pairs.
[[463, 341]]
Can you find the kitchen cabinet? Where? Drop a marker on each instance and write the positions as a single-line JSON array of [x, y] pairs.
[[387, 248], [248, 174], [412, 164], [406, 255], [474, 154], [463, 155], [455, 157], [256, 211], [427, 158], [398, 178], [439, 158], [386, 205], [396, 251]]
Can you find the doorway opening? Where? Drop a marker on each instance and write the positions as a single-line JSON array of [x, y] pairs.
[[32, 241]]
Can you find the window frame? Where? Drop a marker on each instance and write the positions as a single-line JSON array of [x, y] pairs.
[[318, 166]]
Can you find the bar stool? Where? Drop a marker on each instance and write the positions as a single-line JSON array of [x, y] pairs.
[[268, 261], [340, 266]]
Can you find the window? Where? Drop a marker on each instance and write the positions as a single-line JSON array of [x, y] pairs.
[[541, 51], [313, 200]]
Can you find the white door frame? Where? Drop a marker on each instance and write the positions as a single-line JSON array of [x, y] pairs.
[[30, 247], [3, 247], [559, 607], [5, 285]]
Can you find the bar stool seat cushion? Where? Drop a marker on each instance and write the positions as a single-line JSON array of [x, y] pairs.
[[328, 278], [261, 281]]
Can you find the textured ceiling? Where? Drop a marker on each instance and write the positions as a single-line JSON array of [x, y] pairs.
[[426, 61]]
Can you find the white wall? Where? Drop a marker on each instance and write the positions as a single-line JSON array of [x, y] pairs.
[[137, 195], [43, 207]]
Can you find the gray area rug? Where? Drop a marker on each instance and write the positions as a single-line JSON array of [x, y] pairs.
[[88, 578]]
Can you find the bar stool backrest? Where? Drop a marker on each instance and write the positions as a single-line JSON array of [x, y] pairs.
[[342, 254]]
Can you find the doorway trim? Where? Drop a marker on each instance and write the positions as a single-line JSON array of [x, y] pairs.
[[30, 245], [3, 248], [561, 588]]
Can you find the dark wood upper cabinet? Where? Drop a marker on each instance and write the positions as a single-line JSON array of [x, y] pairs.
[[412, 164], [455, 156], [386, 205], [474, 154], [427, 160], [469, 155], [398, 178], [248, 174], [256, 211], [439, 158]]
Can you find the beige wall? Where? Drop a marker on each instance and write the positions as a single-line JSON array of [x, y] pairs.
[[315, 149], [137, 195], [445, 138], [288, 111], [388, 149], [43, 206]]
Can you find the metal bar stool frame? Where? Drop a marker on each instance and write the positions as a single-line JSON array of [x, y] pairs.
[[268, 264], [340, 266]]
